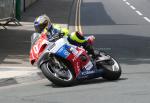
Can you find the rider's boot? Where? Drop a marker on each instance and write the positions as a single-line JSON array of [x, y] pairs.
[[96, 54], [90, 50]]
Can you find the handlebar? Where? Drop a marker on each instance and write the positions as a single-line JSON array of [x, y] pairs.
[[56, 36]]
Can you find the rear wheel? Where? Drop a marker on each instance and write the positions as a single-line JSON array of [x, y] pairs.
[[112, 69], [59, 71]]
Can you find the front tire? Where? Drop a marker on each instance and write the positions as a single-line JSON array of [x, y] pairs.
[[49, 71]]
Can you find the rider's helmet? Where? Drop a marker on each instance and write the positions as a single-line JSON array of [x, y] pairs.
[[41, 23], [77, 36]]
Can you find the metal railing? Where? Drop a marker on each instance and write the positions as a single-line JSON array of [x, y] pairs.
[[7, 12], [7, 8]]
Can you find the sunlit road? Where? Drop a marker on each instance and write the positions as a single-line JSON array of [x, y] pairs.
[[122, 28]]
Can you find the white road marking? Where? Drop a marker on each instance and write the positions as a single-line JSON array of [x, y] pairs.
[[127, 3], [147, 19], [138, 12], [133, 7]]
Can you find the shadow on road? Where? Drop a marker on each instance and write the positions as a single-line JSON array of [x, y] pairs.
[[88, 82], [15, 45], [57, 10], [131, 50], [97, 17], [98, 81]]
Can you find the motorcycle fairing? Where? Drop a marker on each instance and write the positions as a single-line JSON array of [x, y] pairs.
[[38, 48], [73, 54], [63, 52], [89, 74], [83, 69]]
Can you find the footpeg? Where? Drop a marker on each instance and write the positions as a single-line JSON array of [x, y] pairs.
[[103, 58]]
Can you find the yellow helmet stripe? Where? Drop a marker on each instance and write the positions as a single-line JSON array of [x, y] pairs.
[[75, 38]]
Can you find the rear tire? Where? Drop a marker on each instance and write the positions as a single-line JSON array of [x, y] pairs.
[[112, 74], [55, 78], [111, 68]]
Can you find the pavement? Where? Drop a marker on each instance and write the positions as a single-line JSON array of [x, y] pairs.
[[15, 41]]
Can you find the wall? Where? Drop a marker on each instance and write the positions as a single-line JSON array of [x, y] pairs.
[[29, 2]]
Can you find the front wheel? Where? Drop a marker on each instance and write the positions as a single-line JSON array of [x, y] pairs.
[[59, 71]]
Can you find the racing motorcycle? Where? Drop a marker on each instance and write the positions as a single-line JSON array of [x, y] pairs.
[[64, 64]]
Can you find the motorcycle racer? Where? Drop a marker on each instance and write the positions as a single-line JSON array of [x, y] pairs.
[[43, 24], [77, 38]]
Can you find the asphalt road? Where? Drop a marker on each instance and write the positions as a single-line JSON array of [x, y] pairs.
[[119, 30]]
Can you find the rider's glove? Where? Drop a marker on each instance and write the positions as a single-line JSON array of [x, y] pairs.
[[91, 39]]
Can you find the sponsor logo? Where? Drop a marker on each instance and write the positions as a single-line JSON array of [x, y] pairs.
[[88, 66], [77, 55], [88, 72], [66, 53], [63, 52]]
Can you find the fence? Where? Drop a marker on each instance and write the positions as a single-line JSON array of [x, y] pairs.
[[7, 12], [7, 8]]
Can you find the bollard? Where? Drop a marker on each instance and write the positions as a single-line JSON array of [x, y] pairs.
[[18, 9]]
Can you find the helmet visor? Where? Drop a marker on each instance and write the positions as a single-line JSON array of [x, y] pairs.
[[40, 27]]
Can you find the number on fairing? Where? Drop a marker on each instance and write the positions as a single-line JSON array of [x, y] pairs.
[[36, 49]]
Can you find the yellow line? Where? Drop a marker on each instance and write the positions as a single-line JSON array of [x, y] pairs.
[[78, 17], [79, 25]]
